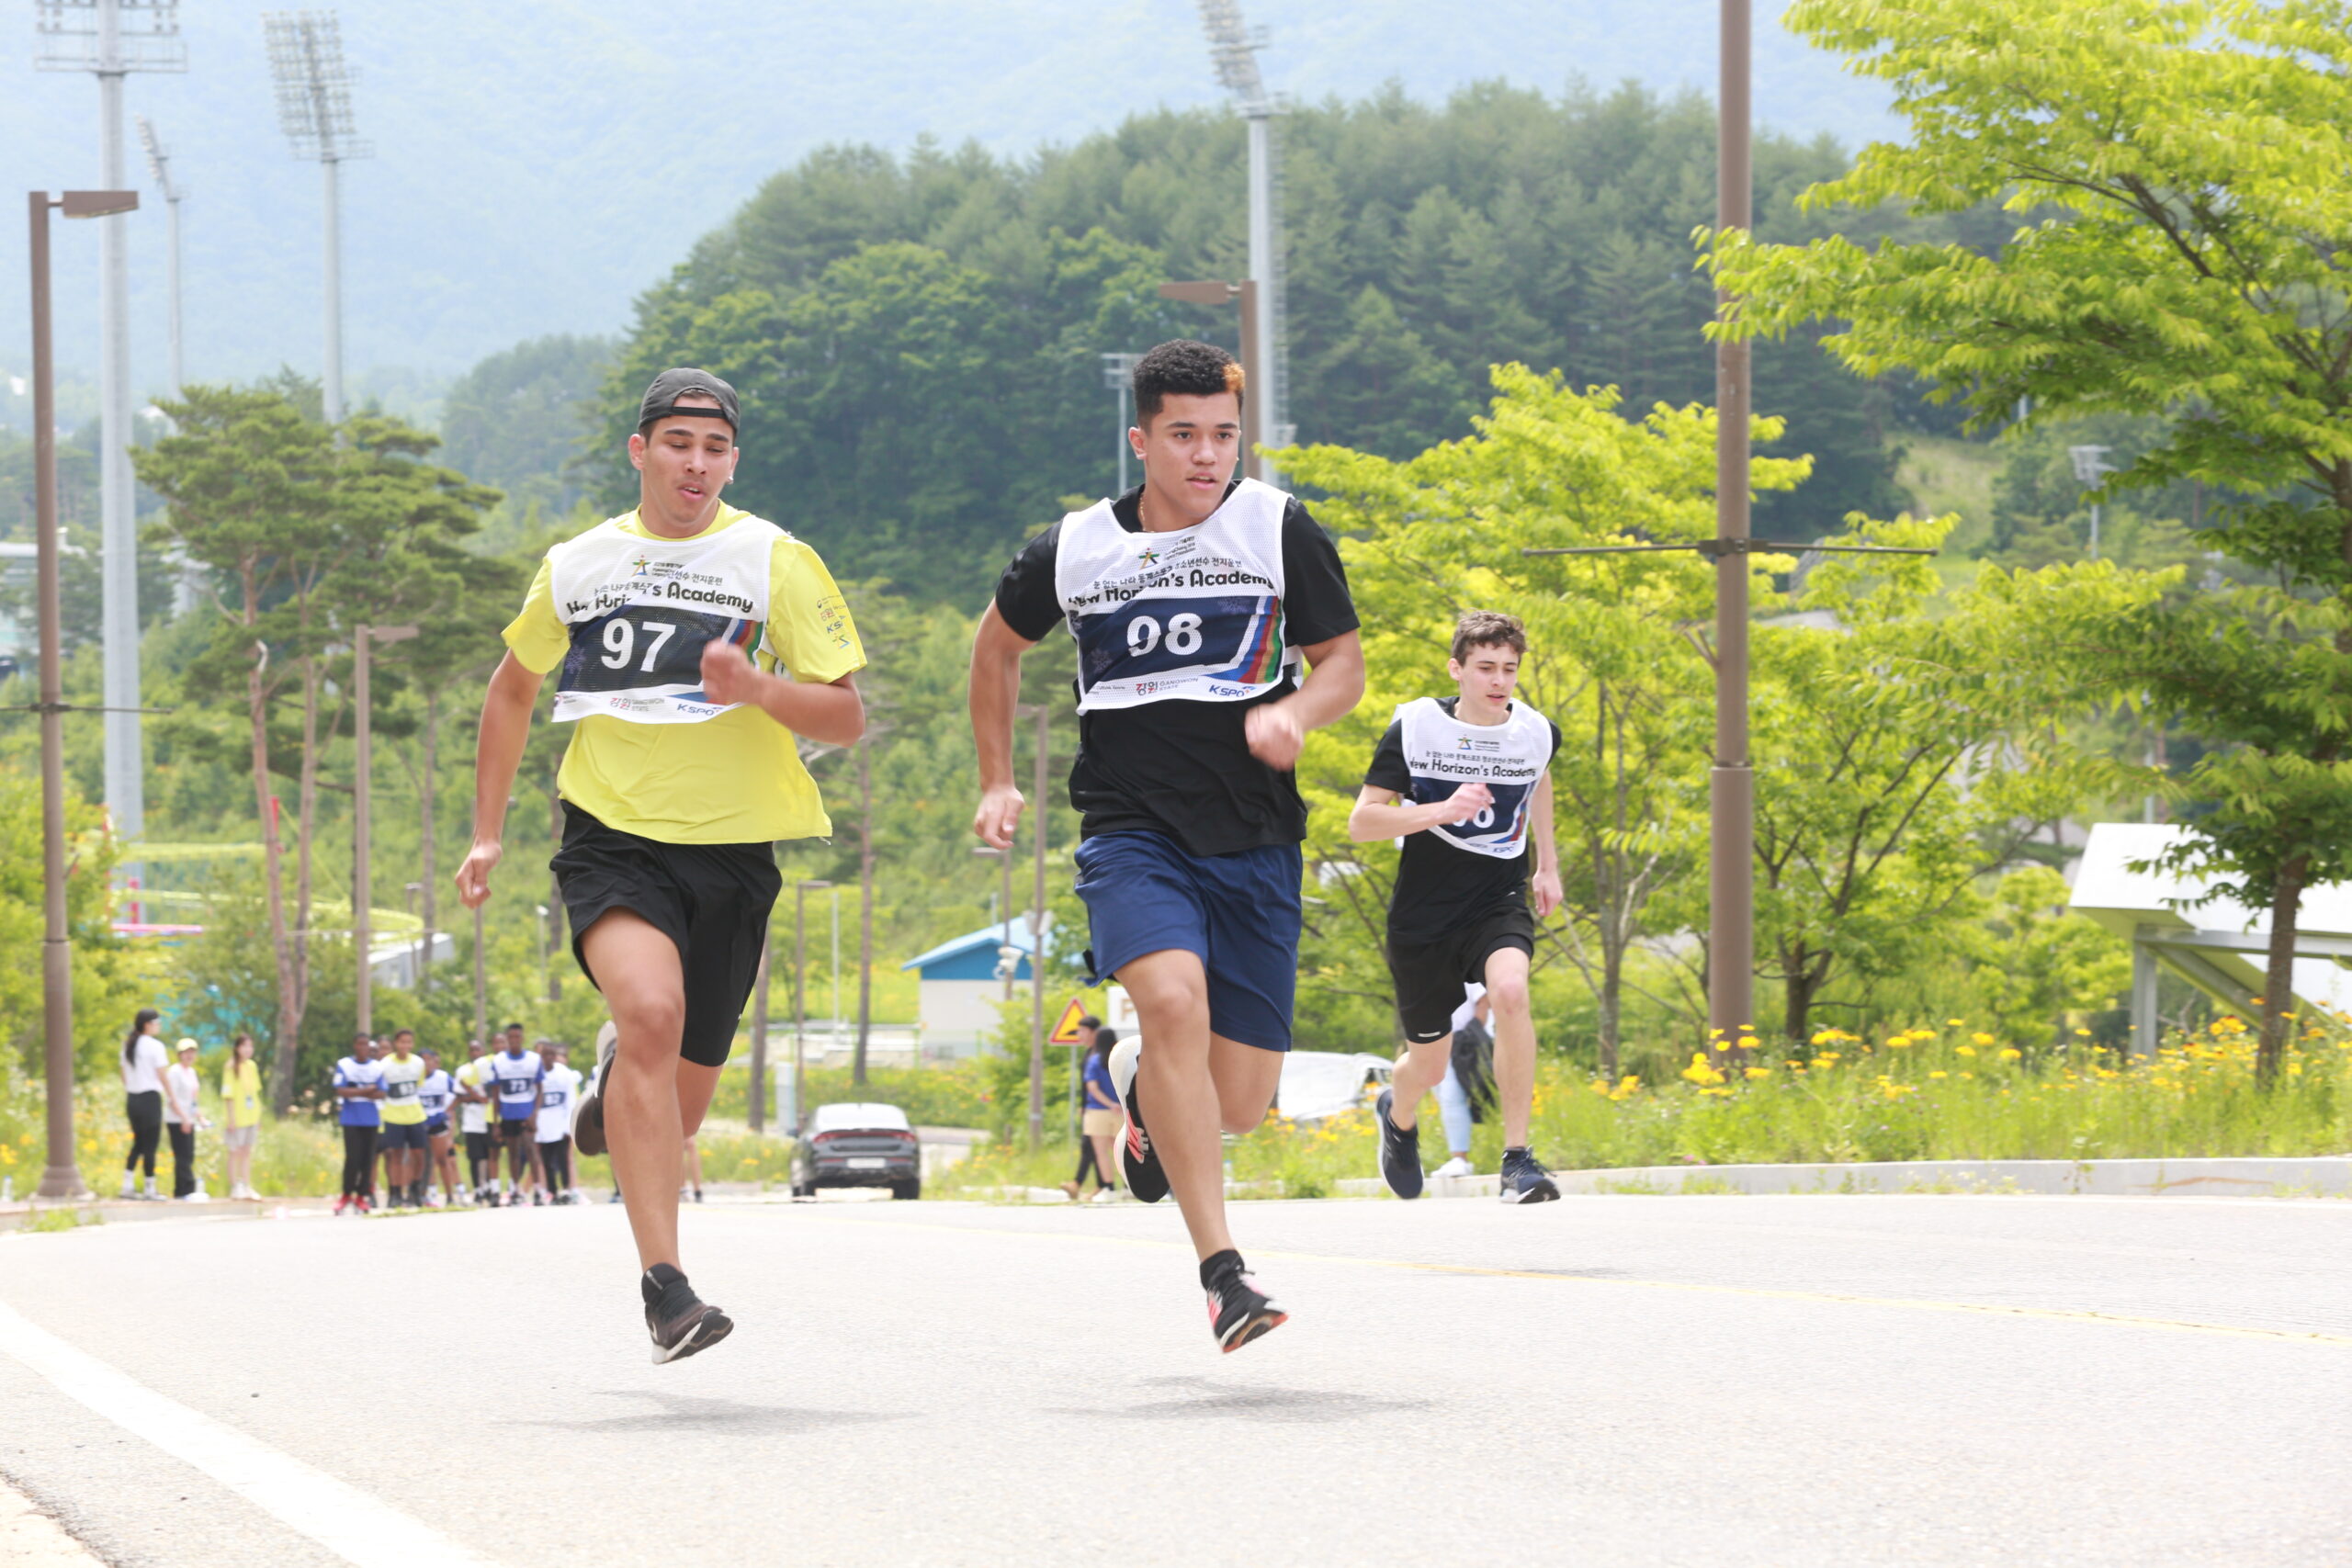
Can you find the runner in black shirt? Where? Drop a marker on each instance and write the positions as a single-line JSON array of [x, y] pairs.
[[1191, 599], [1475, 767]]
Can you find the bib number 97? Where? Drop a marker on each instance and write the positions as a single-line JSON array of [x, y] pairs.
[[620, 642], [1184, 633]]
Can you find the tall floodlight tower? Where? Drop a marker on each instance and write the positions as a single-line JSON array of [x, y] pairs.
[[315, 111], [1233, 48], [159, 164], [110, 38]]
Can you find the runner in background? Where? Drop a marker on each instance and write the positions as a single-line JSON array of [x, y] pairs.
[[693, 644], [472, 1081], [1191, 599], [558, 1088], [514, 1075], [358, 1089], [1476, 768], [1468, 1085], [435, 1093], [404, 1141]]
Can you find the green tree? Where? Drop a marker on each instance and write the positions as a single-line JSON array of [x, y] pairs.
[[514, 421], [2186, 260]]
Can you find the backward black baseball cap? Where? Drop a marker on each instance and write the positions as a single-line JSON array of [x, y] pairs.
[[661, 398]]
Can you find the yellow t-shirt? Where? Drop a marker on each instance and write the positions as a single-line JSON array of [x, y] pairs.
[[732, 779], [241, 1093]]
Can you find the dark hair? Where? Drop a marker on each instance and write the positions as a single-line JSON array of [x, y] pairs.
[[1090, 1021], [138, 1027], [397, 1032], [1103, 1039], [511, 1028], [1185, 368], [1488, 629], [241, 1038]]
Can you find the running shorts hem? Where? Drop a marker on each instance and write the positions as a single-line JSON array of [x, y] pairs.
[[401, 1135], [711, 900], [1238, 913], [511, 1128], [1430, 976]]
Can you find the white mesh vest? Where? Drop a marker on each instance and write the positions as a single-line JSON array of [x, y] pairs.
[[1442, 753], [640, 612], [1196, 613]]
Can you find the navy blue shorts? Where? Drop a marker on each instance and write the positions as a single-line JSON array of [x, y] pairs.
[[1239, 912]]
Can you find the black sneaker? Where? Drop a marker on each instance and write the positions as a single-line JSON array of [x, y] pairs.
[[1524, 1179], [1400, 1150], [588, 1115], [1238, 1311], [1139, 1161], [681, 1321]]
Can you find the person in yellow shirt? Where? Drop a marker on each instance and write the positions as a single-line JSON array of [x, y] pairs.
[[403, 1143], [691, 642], [241, 1114]]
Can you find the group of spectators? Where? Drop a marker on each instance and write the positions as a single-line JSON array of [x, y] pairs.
[[396, 1103], [160, 1093]]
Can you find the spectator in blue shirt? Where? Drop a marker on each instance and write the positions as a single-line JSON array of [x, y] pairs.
[[359, 1086], [1102, 1121]]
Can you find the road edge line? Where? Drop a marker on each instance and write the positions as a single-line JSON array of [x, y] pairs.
[[355, 1526]]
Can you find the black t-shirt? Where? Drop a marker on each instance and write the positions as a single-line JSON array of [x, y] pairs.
[[1182, 767], [1440, 888]]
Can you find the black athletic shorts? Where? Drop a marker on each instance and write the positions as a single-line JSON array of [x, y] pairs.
[[511, 1128], [1430, 976], [478, 1146], [711, 900], [402, 1135]]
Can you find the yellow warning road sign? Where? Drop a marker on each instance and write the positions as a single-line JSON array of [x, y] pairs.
[[1066, 1031]]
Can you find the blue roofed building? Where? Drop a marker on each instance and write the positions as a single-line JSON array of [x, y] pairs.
[[960, 982]]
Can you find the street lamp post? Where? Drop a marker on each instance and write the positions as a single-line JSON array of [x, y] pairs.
[[1037, 942], [799, 1002], [62, 1177], [1214, 292], [755, 1114], [1007, 958], [363, 807]]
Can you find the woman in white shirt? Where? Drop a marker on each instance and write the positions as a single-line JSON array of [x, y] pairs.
[[143, 1062], [181, 1116]]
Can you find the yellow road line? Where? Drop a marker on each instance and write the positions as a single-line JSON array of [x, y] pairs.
[[1979, 1309]]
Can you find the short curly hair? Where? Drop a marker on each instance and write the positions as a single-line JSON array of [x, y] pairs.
[[1488, 629], [1187, 369]]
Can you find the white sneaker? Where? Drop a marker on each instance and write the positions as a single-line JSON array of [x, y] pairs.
[[1104, 1195], [1456, 1167]]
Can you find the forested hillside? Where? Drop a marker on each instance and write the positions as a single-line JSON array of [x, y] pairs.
[[916, 338]]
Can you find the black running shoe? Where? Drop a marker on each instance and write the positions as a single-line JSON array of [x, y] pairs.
[[588, 1115], [1238, 1311], [1524, 1179], [1139, 1161], [1400, 1150], [683, 1323]]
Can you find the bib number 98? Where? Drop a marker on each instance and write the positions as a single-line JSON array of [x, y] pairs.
[[1184, 633]]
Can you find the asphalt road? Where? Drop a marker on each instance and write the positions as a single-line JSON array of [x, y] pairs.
[[1708, 1381]]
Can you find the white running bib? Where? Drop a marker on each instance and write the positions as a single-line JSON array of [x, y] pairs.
[[1194, 613], [641, 611], [1442, 753]]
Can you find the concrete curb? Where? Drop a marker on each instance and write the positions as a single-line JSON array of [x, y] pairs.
[[2323, 1176]]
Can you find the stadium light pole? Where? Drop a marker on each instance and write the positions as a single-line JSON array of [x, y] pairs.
[[110, 38], [754, 1112], [315, 111], [1233, 49], [1118, 379], [2090, 466], [61, 1176], [159, 164], [1007, 956], [1215, 291], [1037, 940], [363, 807]]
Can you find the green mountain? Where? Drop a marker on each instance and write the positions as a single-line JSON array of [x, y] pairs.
[[540, 163]]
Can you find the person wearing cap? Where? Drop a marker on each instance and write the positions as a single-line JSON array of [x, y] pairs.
[[181, 1118], [692, 645]]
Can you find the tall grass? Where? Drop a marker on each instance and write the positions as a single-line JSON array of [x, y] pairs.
[[1922, 1093]]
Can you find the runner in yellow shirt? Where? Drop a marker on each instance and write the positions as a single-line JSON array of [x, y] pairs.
[[691, 643]]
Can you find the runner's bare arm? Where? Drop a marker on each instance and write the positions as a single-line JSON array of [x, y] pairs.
[[1333, 687], [505, 726], [1377, 815], [995, 688], [1546, 880], [830, 711]]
